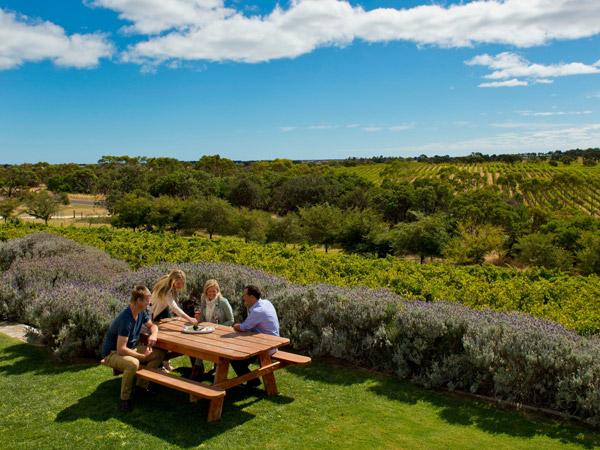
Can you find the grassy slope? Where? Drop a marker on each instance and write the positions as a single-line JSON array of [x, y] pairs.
[[320, 406]]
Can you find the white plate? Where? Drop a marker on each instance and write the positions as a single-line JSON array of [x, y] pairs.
[[200, 330]]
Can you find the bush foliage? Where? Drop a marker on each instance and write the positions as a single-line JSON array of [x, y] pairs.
[[511, 356], [572, 301]]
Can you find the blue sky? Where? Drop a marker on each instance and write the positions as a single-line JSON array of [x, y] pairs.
[[306, 79]]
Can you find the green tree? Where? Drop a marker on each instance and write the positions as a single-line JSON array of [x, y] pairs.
[[16, 179], [284, 229], [247, 192], [250, 224], [219, 167], [8, 207], [395, 200], [165, 213], [290, 193], [424, 237], [42, 205], [182, 184], [588, 258], [211, 214], [539, 249], [132, 211], [472, 243], [364, 231], [321, 224]]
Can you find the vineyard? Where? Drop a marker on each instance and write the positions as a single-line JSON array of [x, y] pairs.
[[572, 187]]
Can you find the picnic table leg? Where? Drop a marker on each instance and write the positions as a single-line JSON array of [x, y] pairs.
[[221, 371], [215, 409], [269, 379], [216, 405]]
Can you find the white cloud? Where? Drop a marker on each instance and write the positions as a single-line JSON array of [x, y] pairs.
[[531, 126], [583, 136], [553, 113], [25, 40], [156, 16], [207, 30], [508, 83], [372, 129], [286, 129], [402, 127], [321, 127], [510, 65]]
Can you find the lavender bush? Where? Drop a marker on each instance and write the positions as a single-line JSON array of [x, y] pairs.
[[73, 297], [232, 279], [37, 245], [74, 317]]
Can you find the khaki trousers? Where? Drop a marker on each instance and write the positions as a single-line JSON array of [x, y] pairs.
[[130, 365]]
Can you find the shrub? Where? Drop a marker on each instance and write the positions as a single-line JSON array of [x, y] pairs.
[[74, 317], [41, 262]]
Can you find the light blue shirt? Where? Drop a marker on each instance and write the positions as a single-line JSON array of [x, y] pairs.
[[262, 319]]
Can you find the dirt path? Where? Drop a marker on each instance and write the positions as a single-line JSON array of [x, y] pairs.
[[23, 332]]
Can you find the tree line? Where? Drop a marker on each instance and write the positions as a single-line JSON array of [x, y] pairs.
[[310, 202]]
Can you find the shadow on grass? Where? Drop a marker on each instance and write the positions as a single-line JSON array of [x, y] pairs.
[[455, 409], [25, 358], [169, 415]]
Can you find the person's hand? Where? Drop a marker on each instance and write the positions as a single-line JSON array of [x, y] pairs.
[[194, 322], [236, 327], [151, 340], [147, 353]]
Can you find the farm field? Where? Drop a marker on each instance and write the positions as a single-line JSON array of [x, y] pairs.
[[573, 187]]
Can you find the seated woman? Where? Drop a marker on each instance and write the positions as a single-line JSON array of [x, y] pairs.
[[165, 295], [215, 309]]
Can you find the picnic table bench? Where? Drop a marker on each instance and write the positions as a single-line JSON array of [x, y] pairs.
[[220, 346]]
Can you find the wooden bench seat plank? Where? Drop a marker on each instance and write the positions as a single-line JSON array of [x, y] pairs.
[[288, 359], [181, 384]]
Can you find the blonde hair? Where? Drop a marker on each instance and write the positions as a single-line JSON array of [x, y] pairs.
[[138, 293], [164, 285], [209, 284]]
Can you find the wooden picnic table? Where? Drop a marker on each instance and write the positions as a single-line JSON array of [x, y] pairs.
[[220, 346]]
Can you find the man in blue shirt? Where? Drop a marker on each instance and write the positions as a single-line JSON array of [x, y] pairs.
[[262, 318], [121, 350]]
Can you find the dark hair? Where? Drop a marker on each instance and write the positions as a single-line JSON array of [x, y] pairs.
[[253, 291]]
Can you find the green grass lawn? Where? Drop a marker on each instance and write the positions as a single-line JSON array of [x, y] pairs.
[[47, 405]]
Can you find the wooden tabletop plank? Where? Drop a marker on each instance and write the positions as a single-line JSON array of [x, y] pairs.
[[222, 342], [225, 338]]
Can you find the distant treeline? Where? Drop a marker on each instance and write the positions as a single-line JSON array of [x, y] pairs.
[[454, 214]]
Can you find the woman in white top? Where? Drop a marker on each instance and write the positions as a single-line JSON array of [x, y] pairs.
[[165, 295], [215, 309]]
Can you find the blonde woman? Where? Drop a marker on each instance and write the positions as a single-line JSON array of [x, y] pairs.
[[165, 295], [215, 309]]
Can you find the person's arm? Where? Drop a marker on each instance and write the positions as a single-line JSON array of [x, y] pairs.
[[251, 321], [153, 333], [228, 311], [177, 310], [123, 350]]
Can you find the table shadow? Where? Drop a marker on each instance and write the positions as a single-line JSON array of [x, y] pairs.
[[169, 415]]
